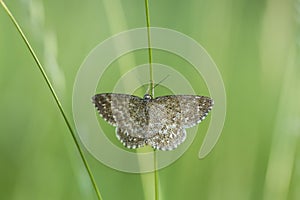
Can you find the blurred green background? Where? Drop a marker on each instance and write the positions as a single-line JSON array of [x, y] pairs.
[[256, 46]]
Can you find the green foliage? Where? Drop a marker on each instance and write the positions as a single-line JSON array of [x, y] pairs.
[[254, 45]]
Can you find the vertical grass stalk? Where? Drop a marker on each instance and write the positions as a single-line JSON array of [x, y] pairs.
[[156, 178], [151, 84], [151, 91], [39, 65]]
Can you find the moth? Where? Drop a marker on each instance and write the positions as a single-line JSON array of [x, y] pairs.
[[159, 122]]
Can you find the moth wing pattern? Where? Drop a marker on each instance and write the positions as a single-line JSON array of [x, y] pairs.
[[169, 140], [159, 122], [124, 111], [129, 141], [191, 109]]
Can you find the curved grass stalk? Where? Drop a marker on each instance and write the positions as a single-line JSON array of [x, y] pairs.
[[39, 65]]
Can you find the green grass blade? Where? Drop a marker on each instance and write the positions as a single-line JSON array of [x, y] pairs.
[[151, 89], [55, 98], [151, 85]]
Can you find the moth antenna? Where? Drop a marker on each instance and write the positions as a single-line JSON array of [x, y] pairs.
[[144, 87], [148, 89], [161, 81]]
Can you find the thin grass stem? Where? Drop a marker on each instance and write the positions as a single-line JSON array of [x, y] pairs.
[[151, 90], [151, 84], [156, 178], [55, 98]]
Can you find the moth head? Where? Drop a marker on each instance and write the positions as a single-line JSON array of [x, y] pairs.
[[147, 97]]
